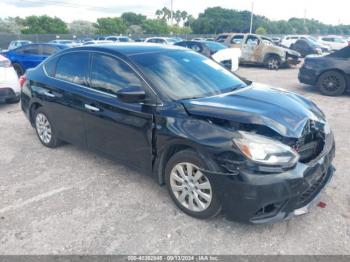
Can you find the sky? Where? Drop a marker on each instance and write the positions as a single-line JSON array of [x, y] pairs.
[[330, 12]]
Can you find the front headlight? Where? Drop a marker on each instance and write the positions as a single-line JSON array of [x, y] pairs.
[[265, 150]]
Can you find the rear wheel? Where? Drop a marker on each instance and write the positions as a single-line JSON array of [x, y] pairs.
[[332, 83], [273, 62], [18, 68], [44, 129], [189, 187]]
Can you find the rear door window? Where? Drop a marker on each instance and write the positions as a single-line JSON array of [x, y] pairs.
[[252, 40], [109, 74], [221, 38], [237, 39], [29, 50], [72, 67]]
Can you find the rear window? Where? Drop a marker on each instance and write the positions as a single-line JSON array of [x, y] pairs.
[[48, 50], [214, 47], [50, 66], [342, 53], [72, 67], [28, 49], [237, 39], [221, 38]]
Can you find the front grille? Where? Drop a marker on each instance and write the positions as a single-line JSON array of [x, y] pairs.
[[267, 211], [312, 142], [310, 150], [309, 194]]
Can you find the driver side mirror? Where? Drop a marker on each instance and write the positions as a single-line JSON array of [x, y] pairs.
[[131, 94]]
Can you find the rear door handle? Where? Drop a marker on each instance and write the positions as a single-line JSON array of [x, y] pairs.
[[49, 94], [92, 108]]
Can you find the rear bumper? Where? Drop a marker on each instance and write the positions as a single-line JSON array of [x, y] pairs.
[[307, 76], [268, 198], [8, 93]]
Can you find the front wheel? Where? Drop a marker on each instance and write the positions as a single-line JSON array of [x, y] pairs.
[[189, 187], [273, 62], [332, 83]]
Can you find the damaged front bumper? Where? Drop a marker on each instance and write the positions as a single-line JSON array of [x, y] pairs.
[[269, 198]]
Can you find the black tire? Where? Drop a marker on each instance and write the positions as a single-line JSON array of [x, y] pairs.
[[332, 83], [273, 62], [18, 68], [189, 156], [54, 141]]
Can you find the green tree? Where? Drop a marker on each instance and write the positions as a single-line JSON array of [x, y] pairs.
[[184, 16], [81, 27], [131, 18], [155, 26], [43, 25], [110, 25], [177, 17], [159, 13], [166, 13], [11, 25], [180, 30], [260, 31]]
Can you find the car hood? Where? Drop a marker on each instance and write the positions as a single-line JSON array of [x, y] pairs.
[[284, 112]]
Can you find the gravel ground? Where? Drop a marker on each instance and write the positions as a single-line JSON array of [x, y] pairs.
[[71, 201]]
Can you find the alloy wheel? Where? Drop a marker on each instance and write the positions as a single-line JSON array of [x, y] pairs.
[[273, 63], [331, 83], [191, 187], [43, 128]]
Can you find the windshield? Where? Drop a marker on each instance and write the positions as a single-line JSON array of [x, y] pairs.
[[186, 74], [214, 47], [339, 40], [64, 41], [172, 40], [123, 39]]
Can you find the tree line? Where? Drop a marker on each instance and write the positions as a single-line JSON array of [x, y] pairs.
[[213, 20]]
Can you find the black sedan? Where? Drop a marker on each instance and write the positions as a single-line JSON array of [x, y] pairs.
[[306, 47], [217, 142], [330, 73]]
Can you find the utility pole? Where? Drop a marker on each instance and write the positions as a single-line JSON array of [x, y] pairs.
[[251, 18], [304, 17], [171, 12]]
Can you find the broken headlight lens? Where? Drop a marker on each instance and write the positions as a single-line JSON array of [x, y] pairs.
[[265, 150]]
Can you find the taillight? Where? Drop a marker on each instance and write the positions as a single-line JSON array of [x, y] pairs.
[[22, 80], [4, 62]]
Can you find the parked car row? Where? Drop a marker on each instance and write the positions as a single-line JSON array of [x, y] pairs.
[[328, 43]]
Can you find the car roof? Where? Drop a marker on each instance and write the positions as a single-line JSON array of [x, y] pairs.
[[61, 46], [130, 49]]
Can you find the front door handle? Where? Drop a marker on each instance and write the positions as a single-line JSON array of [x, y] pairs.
[[92, 108], [49, 94]]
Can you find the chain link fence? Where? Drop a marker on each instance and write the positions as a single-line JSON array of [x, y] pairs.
[[5, 39]]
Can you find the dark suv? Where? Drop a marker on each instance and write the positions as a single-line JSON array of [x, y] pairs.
[[218, 142]]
